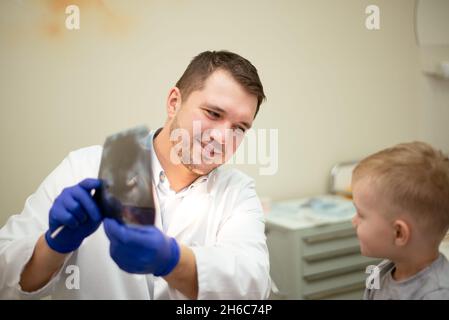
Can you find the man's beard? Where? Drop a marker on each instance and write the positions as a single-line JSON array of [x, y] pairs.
[[187, 162]]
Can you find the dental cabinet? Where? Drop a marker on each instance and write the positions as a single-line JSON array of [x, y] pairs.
[[314, 250]]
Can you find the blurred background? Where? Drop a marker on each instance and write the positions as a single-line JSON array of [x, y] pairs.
[[336, 90]]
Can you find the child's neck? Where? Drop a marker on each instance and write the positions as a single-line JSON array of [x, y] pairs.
[[409, 267]]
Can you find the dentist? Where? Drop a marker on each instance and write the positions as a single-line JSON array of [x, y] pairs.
[[208, 241]]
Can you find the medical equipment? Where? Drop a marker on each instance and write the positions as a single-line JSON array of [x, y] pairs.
[[126, 193]]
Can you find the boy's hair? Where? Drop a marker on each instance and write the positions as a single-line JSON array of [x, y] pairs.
[[415, 178], [204, 64]]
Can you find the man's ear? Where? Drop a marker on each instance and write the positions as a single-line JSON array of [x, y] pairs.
[[173, 102], [402, 232]]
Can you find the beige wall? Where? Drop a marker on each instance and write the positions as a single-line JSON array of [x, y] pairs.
[[434, 97], [336, 91], [433, 37]]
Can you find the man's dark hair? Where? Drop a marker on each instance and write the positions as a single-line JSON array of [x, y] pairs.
[[204, 64]]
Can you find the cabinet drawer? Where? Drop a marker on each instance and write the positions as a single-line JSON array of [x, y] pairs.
[[339, 285], [321, 236], [321, 269], [356, 294], [331, 248], [325, 243]]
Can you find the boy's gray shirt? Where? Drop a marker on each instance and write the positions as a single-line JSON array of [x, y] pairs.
[[430, 283]]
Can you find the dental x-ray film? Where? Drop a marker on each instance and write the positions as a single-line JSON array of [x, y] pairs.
[[126, 193]]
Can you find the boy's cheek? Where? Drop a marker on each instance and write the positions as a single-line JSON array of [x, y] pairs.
[[363, 249], [361, 239], [354, 222]]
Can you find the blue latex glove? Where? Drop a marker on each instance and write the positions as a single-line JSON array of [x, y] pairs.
[[141, 249], [77, 211]]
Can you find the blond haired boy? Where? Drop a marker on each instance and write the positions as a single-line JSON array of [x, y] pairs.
[[402, 199]]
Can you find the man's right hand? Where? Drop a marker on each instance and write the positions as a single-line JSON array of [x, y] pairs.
[[77, 211]]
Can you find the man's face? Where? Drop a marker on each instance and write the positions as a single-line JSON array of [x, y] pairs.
[[374, 229], [214, 121]]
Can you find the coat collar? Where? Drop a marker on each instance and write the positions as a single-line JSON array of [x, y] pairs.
[[196, 202]]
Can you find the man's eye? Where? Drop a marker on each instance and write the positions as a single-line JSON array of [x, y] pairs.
[[213, 114]]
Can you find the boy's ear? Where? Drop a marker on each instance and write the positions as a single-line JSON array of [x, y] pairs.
[[401, 232], [173, 102]]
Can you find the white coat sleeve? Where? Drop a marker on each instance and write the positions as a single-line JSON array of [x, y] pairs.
[[237, 266], [19, 235]]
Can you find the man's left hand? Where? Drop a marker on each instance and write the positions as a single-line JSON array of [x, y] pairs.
[[141, 250]]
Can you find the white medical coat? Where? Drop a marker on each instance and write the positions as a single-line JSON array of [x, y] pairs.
[[221, 220]]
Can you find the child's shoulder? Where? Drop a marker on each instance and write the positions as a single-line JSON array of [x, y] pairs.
[[437, 280], [431, 283]]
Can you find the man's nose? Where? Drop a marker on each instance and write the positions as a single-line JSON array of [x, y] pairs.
[[221, 135]]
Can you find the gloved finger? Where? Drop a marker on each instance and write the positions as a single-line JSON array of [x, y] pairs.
[[130, 268], [74, 207], [90, 183], [88, 203], [121, 257], [114, 230], [128, 254], [61, 216], [134, 237], [148, 235]]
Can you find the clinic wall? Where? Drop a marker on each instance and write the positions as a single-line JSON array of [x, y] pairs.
[[336, 91], [432, 31], [434, 98]]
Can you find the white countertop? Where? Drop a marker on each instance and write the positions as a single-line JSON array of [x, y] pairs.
[[310, 212]]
